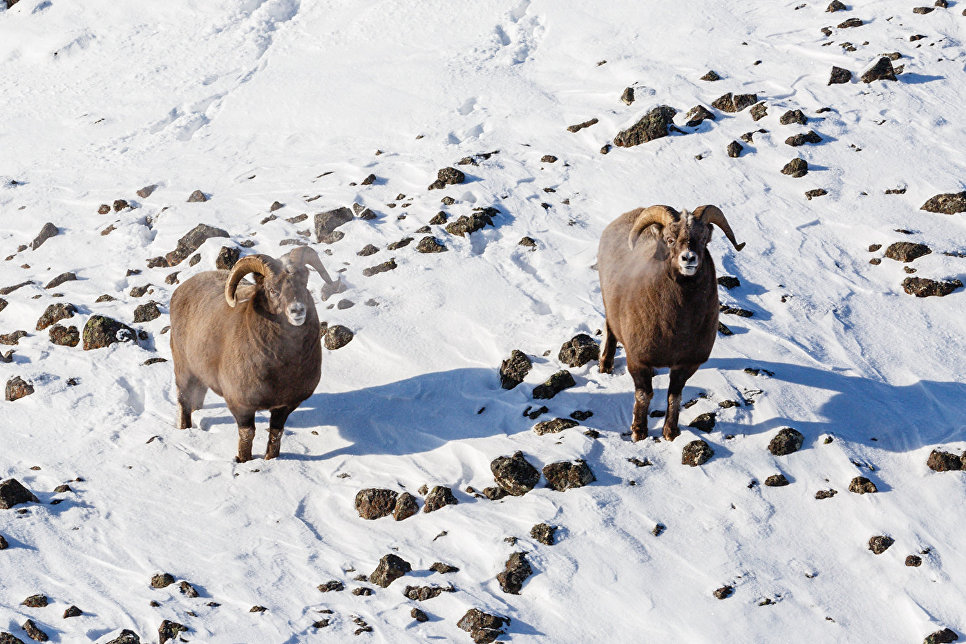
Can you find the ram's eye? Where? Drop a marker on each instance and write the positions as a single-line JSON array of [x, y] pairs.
[[670, 241]]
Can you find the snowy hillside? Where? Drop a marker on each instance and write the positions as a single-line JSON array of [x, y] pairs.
[[278, 110]]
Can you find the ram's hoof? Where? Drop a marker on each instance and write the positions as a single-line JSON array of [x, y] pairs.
[[671, 434], [638, 434], [606, 367], [242, 459]]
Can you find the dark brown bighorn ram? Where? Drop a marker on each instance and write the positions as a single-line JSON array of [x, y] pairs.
[[660, 296], [255, 345]]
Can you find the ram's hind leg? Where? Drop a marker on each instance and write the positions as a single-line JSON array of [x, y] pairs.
[[679, 376], [643, 392], [607, 350], [276, 427], [191, 397]]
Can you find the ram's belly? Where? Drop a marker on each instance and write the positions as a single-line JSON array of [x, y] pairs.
[[653, 339]]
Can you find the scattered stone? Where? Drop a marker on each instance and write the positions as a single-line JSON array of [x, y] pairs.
[[759, 111], [554, 385], [464, 225], [73, 611], [3, 543], [369, 180], [839, 76], [548, 158], [337, 336], [7, 290], [482, 627], [103, 209], [187, 589], [367, 214], [924, 287], [940, 461], [906, 251], [227, 258], [734, 103], [563, 475], [126, 637], [923, 10], [494, 493], [801, 139], [653, 125], [35, 633], [776, 480], [945, 636], [425, 593], [120, 204], [430, 244], [698, 114], [55, 313], [514, 474], [419, 615], [257, 609], [362, 591], [578, 351], [402, 243], [515, 572], [881, 70], [696, 453], [850, 23], [439, 218], [880, 544], [406, 506], [786, 441], [46, 232], [862, 485], [817, 192], [579, 126], [333, 586], [836, 5], [380, 268], [711, 76], [724, 330], [101, 331], [724, 592], [147, 312], [704, 422], [375, 503], [554, 426], [544, 533], [161, 580], [197, 197], [514, 369], [60, 279], [327, 222], [796, 168], [729, 282], [391, 567], [825, 494], [439, 497], [628, 96], [147, 191], [35, 601], [18, 388], [734, 149], [948, 203], [170, 630], [192, 241], [442, 568]]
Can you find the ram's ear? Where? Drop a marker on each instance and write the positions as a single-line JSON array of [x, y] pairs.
[[660, 215]]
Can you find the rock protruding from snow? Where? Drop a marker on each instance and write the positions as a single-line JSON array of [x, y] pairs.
[[786, 441], [839, 76], [102, 331], [554, 426], [192, 241], [796, 168], [944, 636], [197, 197], [447, 177], [734, 103], [482, 627], [653, 125], [704, 422], [46, 232], [906, 251], [514, 369], [391, 567], [579, 350], [17, 388], [439, 497], [697, 115], [327, 222], [776, 480], [375, 503], [696, 453], [544, 533], [406, 506], [880, 543], [337, 336], [126, 637], [940, 461], [881, 70], [55, 313], [430, 244], [563, 475], [554, 385], [515, 572], [169, 630], [948, 203], [477, 220], [862, 485], [514, 474], [13, 492], [925, 287], [162, 580]]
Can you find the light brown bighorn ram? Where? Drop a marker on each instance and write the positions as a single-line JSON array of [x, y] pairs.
[[660, 296]]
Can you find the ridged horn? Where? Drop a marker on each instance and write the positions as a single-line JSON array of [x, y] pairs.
[[303, 255], [713, 215], [648, 216], [259, 264]]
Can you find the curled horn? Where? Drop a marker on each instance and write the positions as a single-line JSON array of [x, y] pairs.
[[713, 215], [308, 256], [259, 264], [662, 215]]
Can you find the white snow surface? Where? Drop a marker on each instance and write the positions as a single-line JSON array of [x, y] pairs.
[[253, 101]]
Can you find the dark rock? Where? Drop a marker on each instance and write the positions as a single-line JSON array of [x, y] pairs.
[[736, 310], [793, 116], [333, 586], [759, 111], [367, 250], [464, 225], [836, 5], [945, 636], [482, 627], [776, 480], [796, 168], [18, 388], [786, 441], [636, 462], [579, 126], [817, 192], [419, 615], [380, 268], [924, 287], [839, 76], [187, 589], [578, 351], [711, 76], [35, 601], [374, 503], [581, 415], [139, 291], [192, 241], [439, 218], [554, 385], [514, 369], [862, 485], [60, 279], [729, 282], [825, 494], [653, 125], [696, 453], [554, 426], [515, 572], [724, 330], [628, 96], [514, 474], [3, 304], [367, 215], [362, 591], [162, 580], [327, 222], [948, 203], [170, 630], [881, 70], [880, 544], [344, 304], [147, 191], [147, 312], [801, 139], [369, 180], [494, 493], [5, 637], [940, 461], [734, 103], [543, 533], [906, 251], [536, 413], [923, 10], [337, 336], [391, 567], [447, 176], [734, 149], [548, 158], [402, 243], [35, 633], [430, 244], [46, 232], [126, 637], [564, 475], [704, 422], [103, 209], [120, 204], [439, 497], [851, 22], [13, 338], [442, 568], [227, 258], [425, 593], [55, 313], [697, 114], [197, 197], [724, 592], [72, 611], [3, 543], [406, 506], [101, 331], [528, 242]]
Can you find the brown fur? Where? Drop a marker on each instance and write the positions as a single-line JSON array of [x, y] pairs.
[[662, 317], [250, 354]]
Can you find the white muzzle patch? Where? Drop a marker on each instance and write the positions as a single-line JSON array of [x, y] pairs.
[[295, 314], [688, 263]]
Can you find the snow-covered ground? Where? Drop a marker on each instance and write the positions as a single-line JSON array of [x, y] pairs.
[[258, 101]]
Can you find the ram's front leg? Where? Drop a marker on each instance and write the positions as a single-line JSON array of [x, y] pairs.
[[643, 392], [679, 376], [276, 427], [246, 434]]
